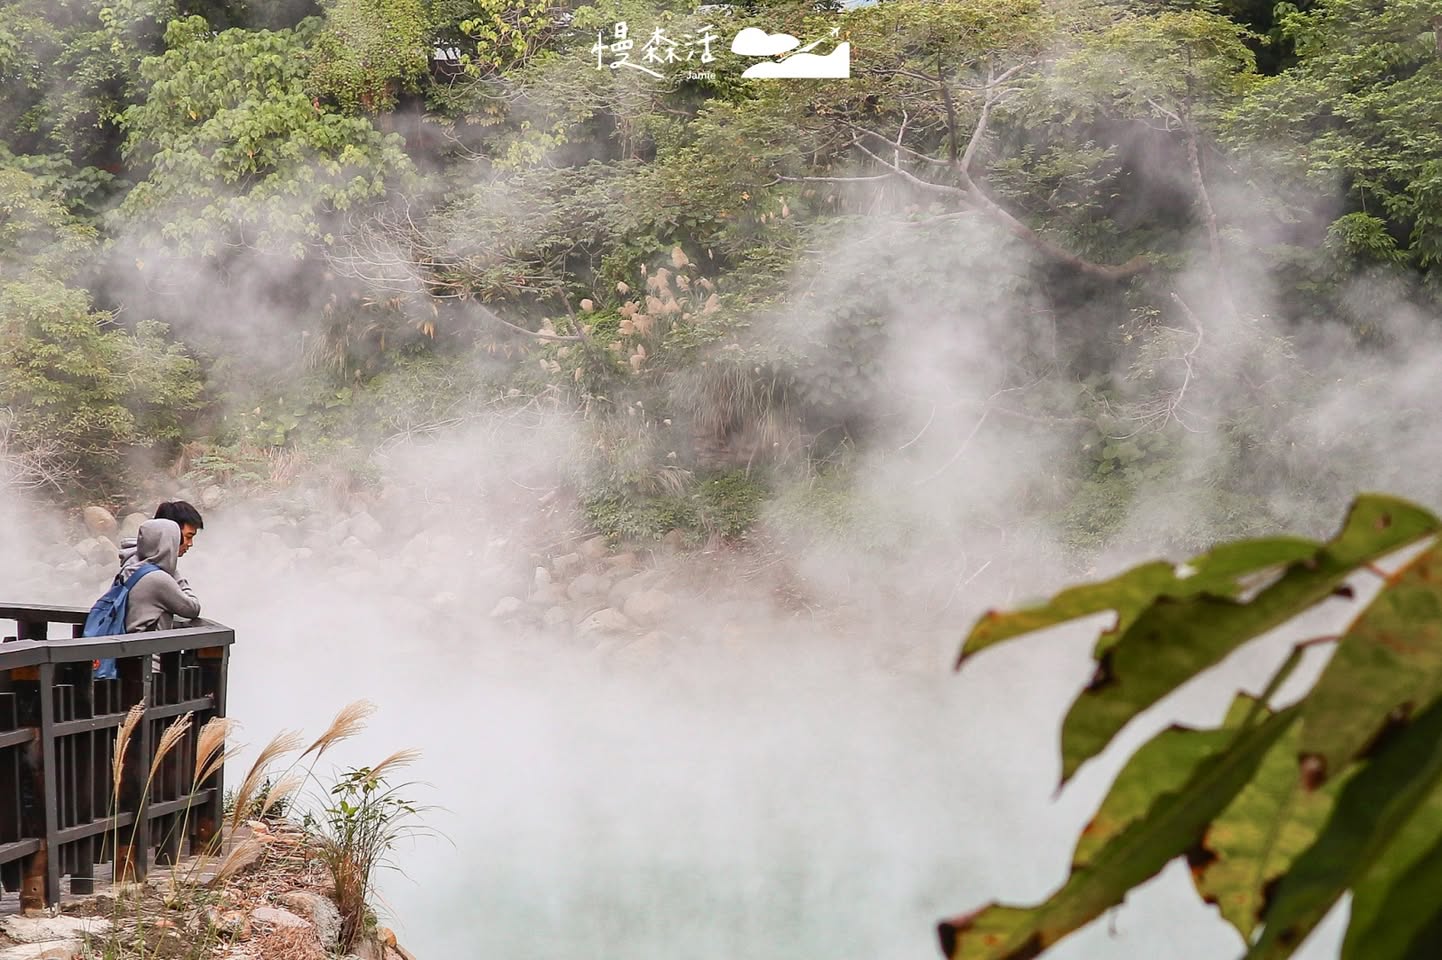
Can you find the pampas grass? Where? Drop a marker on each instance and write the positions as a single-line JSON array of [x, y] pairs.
[[347, 723], [210, 749], [173, 734], [284, 742], [400, 758], [122, 746]]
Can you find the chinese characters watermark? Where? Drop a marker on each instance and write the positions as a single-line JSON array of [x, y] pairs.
[[659, 50]]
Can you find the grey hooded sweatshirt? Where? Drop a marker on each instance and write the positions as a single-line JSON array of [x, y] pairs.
[[159, 597]]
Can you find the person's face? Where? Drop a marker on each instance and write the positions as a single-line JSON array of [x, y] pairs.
[[187, 537]]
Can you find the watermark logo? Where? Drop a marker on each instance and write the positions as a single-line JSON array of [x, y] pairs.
[[660, 55], [754, 42], [659, 50]]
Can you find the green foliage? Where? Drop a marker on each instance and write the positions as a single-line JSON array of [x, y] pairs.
[[1280, 813], [36, 233], [369, 51], [71, 68], [627, 517], [1360, 107], [239, 153], [725, 505], [501, 33], [94, 392], [363, 822]]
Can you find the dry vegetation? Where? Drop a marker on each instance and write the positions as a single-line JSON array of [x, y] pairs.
[[311, 858]]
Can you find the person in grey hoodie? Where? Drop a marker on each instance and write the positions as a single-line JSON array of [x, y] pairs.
[[159, 596], [182, 513]]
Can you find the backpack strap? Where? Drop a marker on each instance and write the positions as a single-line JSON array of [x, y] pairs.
[[140, 571]]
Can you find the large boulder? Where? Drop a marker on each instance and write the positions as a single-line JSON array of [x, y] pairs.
[[100, 522], [622, 589], [40, 929], [586, 585], [605, 622], [648, 607], [130, 526], [506, 608], [277, 917], [366, 529], [319, 910], [567, 564], [98, 551]]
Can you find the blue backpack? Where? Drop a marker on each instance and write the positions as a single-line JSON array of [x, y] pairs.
[[107, 617]]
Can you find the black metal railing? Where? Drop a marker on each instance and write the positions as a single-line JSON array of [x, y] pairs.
[[61, 810]]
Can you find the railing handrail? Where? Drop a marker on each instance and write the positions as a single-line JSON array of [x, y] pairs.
[[30, 653], [60, 805], [42, 611]]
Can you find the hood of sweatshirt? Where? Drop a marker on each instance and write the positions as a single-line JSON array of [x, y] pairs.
[[158, 543]]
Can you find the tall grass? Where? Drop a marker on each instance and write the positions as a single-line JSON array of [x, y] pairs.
[[353, 827]]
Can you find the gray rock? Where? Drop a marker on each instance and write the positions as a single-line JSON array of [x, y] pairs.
[[606, 621], [366, 528], [39, 929], [623, 589], [276, 917], [542, 578], [674, 539], [595, 548], [555, 617], [130, 526], [567, 564], [100, 522], [47, 950], [318, 910], [648, 607], [622, 563], [98, 551], [586, 585], [72, 566], [228, 923], [647, 649], [548, 595], [507, 607], [211, 496]]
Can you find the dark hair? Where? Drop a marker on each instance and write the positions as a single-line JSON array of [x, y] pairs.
[[181, 512]]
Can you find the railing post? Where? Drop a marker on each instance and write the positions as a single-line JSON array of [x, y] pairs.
[[31, 788], [214, 663], [132, 859], [51, 806]]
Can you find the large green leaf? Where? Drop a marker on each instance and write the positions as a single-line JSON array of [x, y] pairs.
[[1256, 838], [1375, 808], [1388, 664], [1393, 903], [1175, 638], [1224, 571], [1137, 849], [1163, 765]]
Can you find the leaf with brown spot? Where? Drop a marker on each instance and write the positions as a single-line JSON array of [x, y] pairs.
[[1224, 571], [1370, 839], [1175, 638], [1135, 852], [1389, 660], [1256, 838]]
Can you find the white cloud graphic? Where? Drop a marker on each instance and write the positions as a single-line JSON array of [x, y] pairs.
[[754, 42], [834, 65]]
